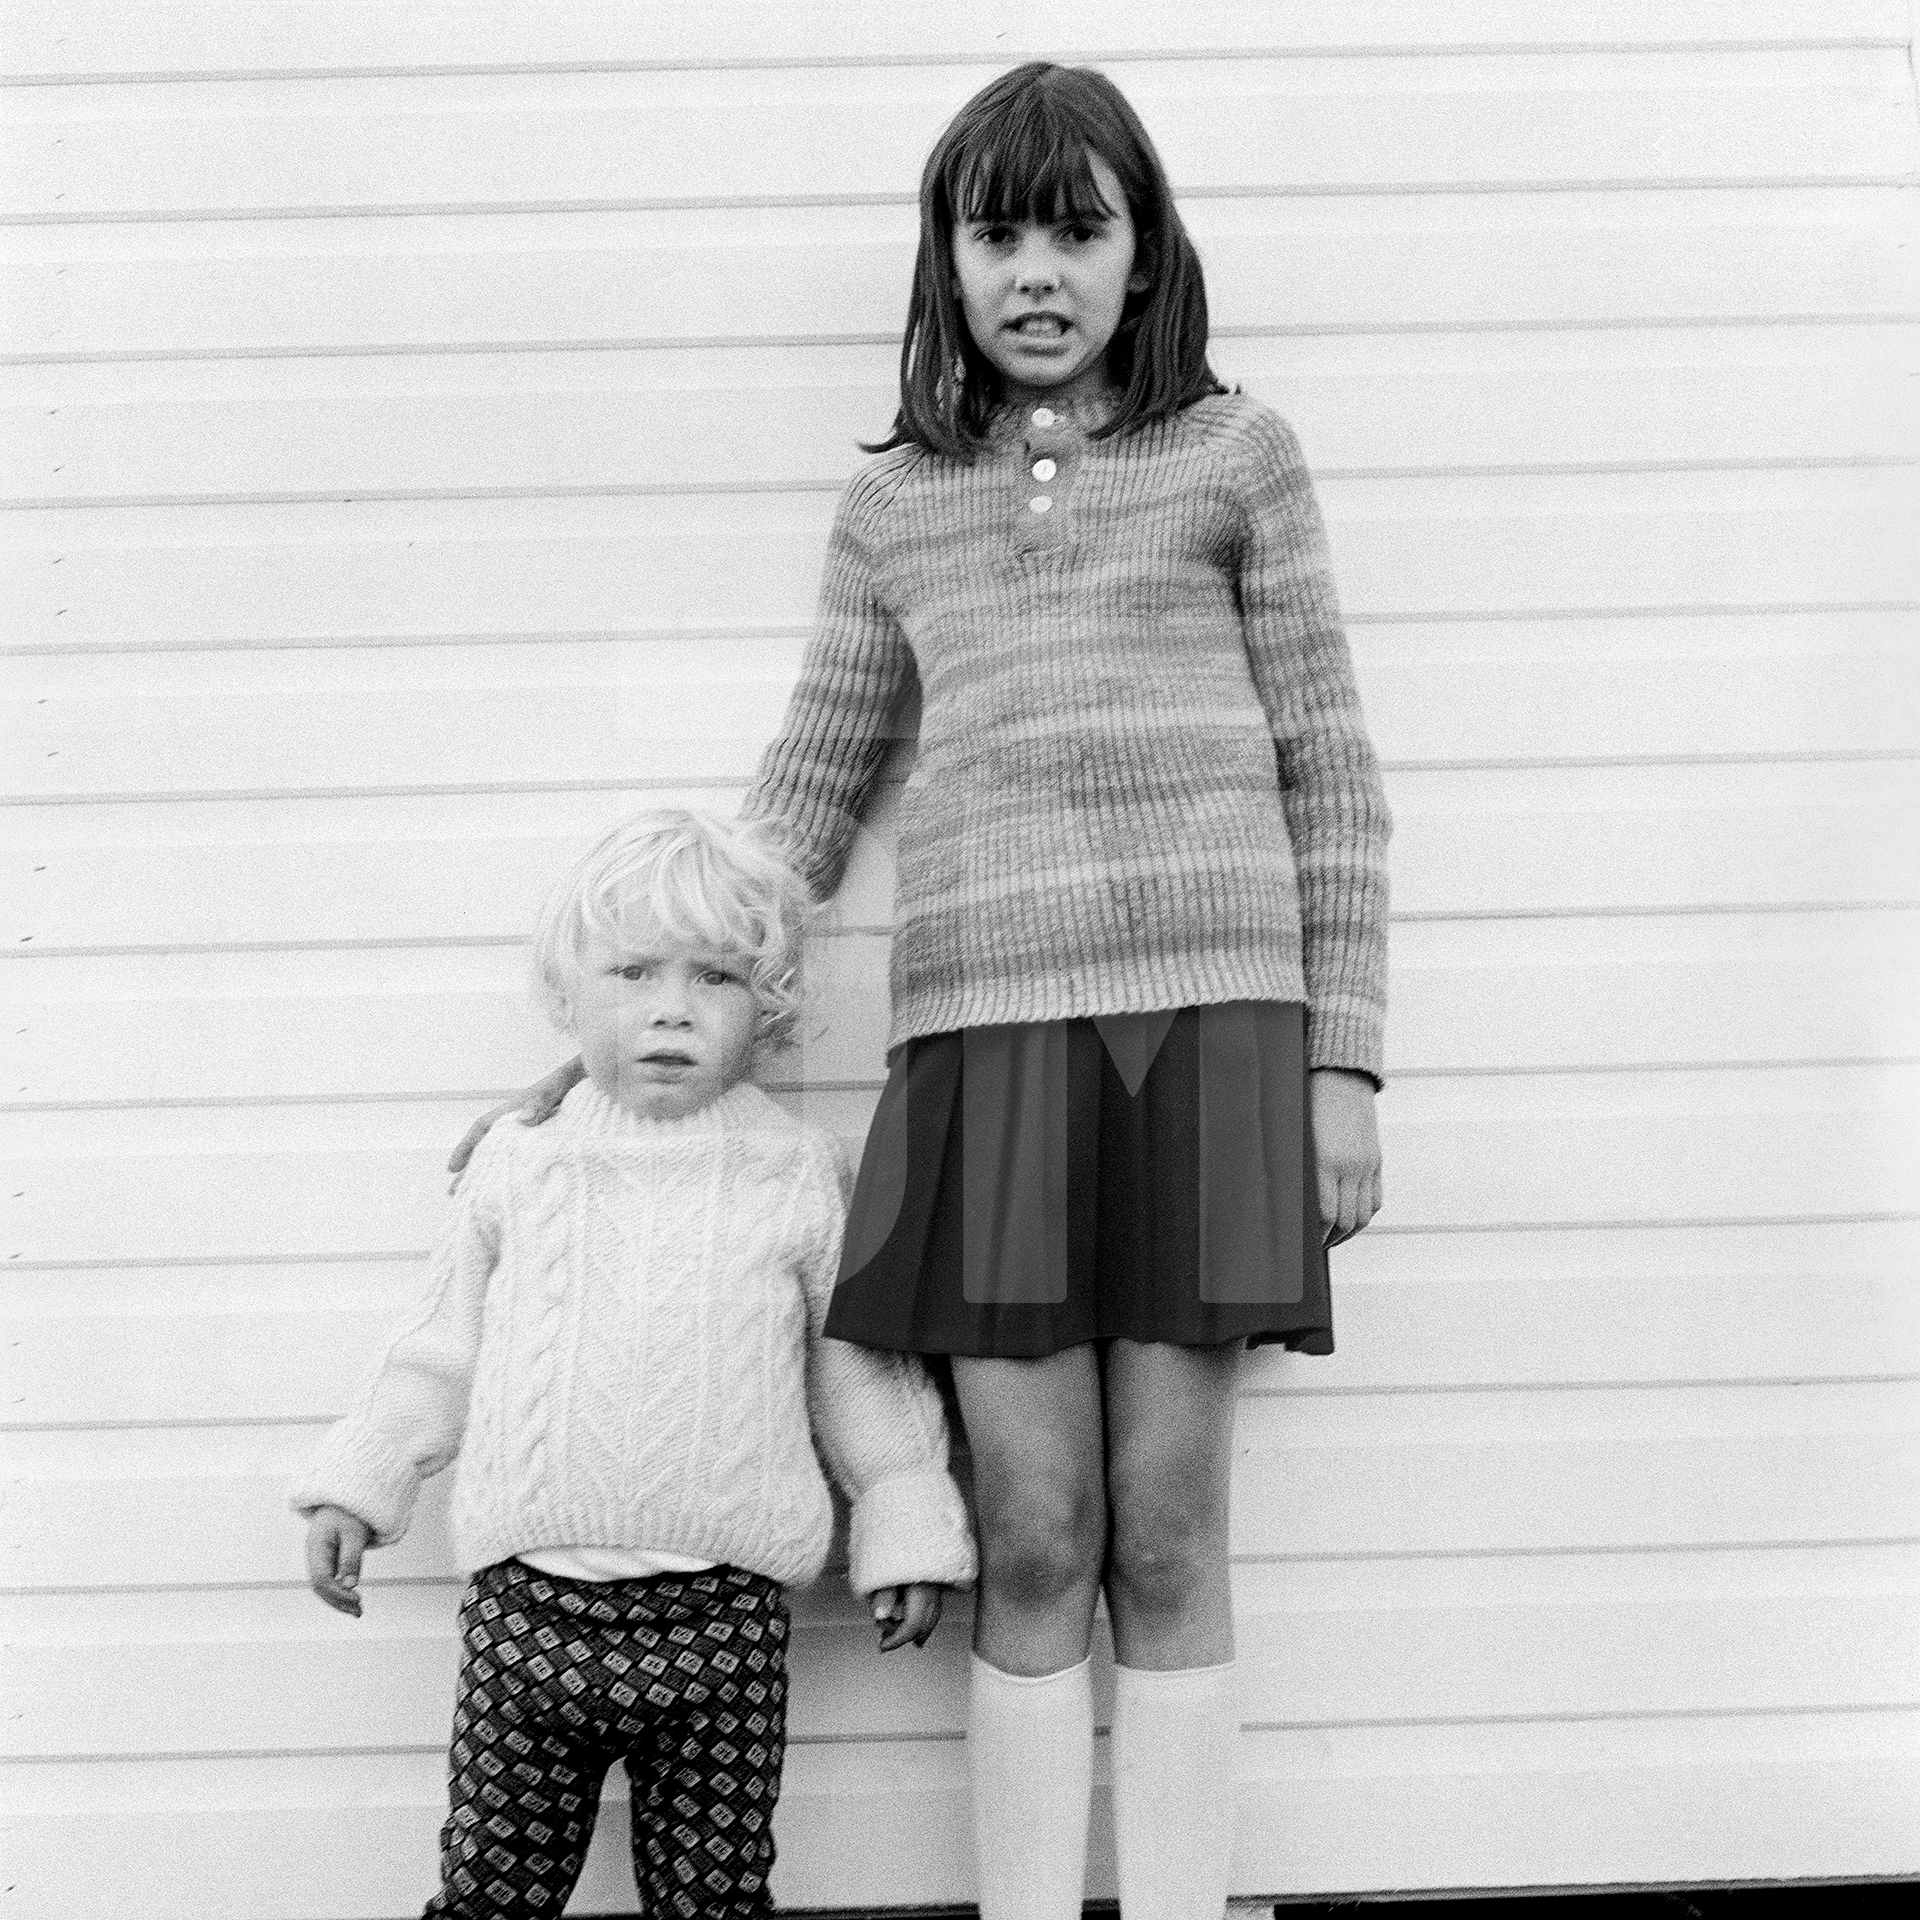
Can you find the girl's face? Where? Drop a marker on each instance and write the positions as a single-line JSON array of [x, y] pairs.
[[663, 1027], [1044, 299]]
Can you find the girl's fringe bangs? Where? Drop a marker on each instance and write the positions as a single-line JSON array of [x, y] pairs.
[[1033, 165]]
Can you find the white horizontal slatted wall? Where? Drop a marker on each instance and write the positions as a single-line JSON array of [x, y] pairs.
[[424, 423]]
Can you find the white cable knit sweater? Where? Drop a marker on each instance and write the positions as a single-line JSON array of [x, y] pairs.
[[622, 1343]]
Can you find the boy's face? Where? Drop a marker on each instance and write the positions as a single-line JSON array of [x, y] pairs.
[[663, 1027]]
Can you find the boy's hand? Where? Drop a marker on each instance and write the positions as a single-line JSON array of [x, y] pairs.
[[1346, 1141], [906, 1613], [335, 1541], [538, 1103]]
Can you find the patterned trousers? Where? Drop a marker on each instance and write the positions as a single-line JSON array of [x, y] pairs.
[[683, 1677]]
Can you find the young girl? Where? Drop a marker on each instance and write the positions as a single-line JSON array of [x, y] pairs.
[[1139, 951], [622, 1342]]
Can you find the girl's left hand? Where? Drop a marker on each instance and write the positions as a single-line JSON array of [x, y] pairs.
[[906, 1613], [1346, 1141]]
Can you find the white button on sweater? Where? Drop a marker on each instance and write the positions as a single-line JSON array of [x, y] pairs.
[[621, 1343]]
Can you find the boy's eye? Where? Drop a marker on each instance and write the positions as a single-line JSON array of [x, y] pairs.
[[719, 976]]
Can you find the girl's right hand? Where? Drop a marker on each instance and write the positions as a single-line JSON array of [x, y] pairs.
[[336, 1540], [538, 1103]]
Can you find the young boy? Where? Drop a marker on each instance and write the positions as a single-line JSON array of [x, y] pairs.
[[621, 1342]]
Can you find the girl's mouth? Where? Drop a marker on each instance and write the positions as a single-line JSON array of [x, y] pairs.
[[1038, 326]]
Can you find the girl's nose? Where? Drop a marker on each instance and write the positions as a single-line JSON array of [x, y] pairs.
[[1035, 271]]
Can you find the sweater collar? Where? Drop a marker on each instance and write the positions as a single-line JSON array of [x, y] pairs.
[[589, 1111], [1009, 425]]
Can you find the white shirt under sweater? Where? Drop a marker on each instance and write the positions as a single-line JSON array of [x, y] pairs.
[[621, 1343]]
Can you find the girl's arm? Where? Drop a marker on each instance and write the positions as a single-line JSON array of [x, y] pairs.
[[814, 777], [537, 1105], [1336, 808], [406, 1424], [881, 1429]]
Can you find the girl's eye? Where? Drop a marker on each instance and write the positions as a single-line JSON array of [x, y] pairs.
[[633, 970], [1079, 233], [719, 977]]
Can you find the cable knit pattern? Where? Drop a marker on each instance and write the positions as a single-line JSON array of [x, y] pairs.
[[622, 1342], [1142, 765]]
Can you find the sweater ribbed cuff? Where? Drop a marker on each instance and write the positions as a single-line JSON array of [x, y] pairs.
[[910, 1527], [364, 1477], [1346, 1037]]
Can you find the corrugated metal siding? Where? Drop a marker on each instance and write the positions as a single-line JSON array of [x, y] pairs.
[[423, 429]]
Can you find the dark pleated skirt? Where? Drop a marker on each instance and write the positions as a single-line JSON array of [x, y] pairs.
[[1139, 1176]]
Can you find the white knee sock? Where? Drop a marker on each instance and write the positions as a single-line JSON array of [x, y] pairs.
[[1176, 1740], [1030, 1753]]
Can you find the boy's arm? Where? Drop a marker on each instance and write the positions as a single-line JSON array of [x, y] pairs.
[[881, 1428], [407, 1421]]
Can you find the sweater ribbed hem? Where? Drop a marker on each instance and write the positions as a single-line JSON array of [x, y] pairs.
[[1088, 992], [792, 1562]]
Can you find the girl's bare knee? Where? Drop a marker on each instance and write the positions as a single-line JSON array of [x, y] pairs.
[[1160, 1563], [1041, 1558]]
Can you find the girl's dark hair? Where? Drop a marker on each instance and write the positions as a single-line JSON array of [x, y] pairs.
[[1021, 149]]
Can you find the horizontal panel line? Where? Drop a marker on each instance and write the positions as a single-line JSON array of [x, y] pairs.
[[1511, 1389], [425, 1096], [670, 343], [182, 949], [774, 630], [382, 1256], [1894, 1216], [945, 1736], [1664, 1224], [380, 1583], [187, 1425], [1669, 610], [746, 203], [1465, 916], [1622, 1550], [1493, 1387], [456, 789], [617, 636], [1577, 1717], [396, 1749], [864, 930], [705, 489], [995, 56]]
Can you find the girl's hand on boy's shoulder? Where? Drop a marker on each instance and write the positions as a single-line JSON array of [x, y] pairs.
[[336, 1540], [540, 1102], [908, 1613], [1346, 1139]]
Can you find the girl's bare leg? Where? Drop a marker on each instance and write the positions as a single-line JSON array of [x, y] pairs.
[[1034, 1429], [1169, 1413], [1175, 1705]]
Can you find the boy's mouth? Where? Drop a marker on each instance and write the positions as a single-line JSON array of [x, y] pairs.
[[667, 1057]]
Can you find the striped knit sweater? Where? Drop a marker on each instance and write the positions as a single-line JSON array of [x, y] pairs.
[[621, 1341], [1143, 780]]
